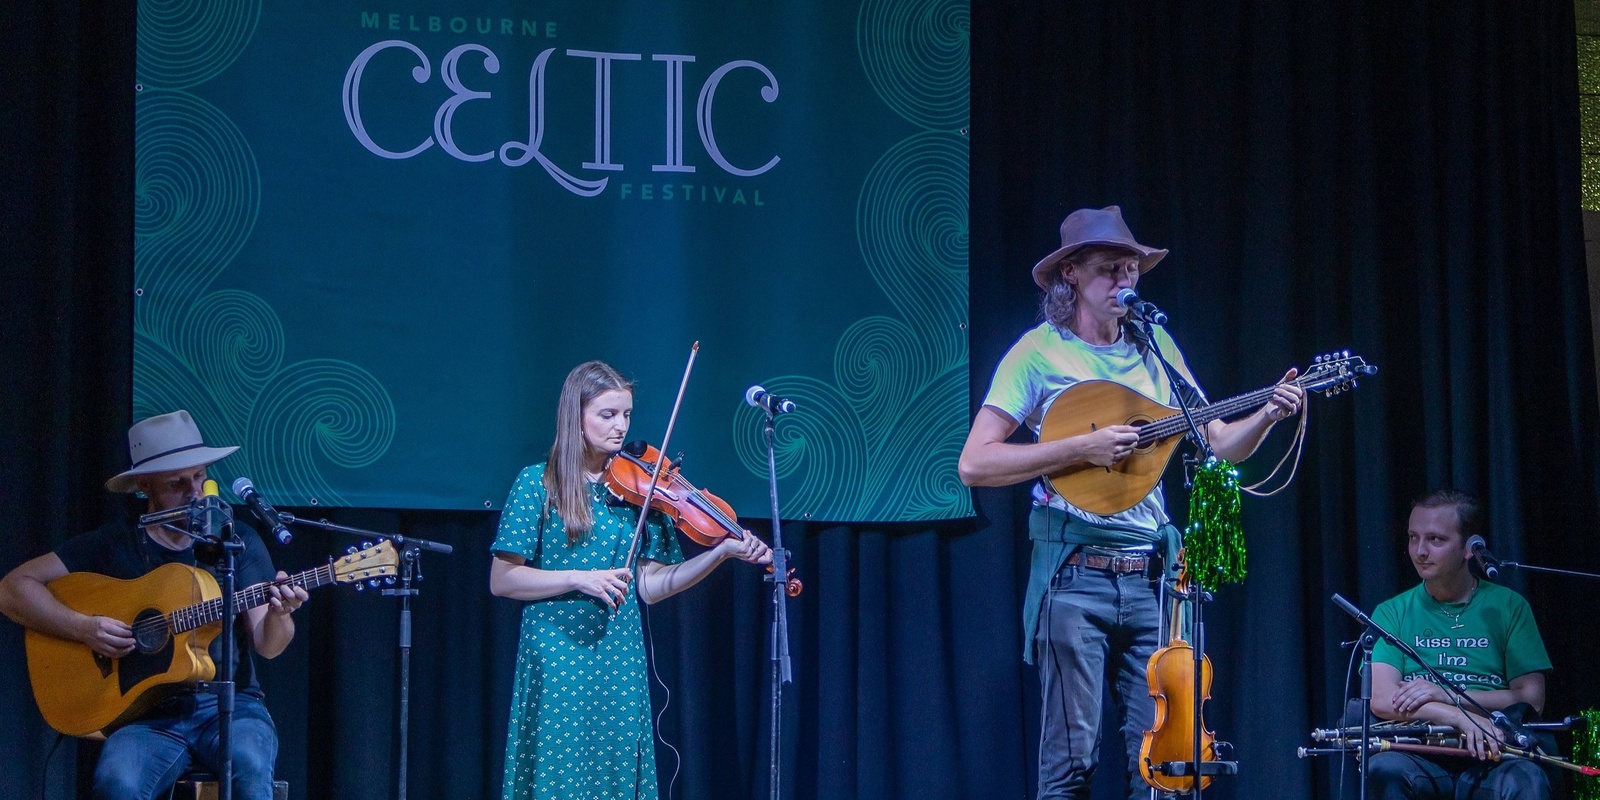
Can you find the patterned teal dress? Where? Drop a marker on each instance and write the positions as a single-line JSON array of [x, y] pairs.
[[580, 704]]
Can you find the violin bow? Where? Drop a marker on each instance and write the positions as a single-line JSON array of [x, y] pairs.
[[661, 458]]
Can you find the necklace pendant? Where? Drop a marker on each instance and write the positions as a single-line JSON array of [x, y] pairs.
[[1458, 625]]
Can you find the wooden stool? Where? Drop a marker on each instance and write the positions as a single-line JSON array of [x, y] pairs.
[[197, 785]]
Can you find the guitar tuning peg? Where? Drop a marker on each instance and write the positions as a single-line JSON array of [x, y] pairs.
[[389, 580], [373, 583], [351, 550], [1317, 360], [366, 545], [1347, 354], [360, 587]]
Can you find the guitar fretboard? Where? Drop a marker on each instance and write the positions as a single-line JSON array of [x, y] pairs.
[[190, 617]]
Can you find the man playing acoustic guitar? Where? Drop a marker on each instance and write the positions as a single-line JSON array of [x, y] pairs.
[[1479, 634], [1091, 611], [144, 758]]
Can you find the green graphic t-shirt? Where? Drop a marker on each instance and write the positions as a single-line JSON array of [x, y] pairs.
[[1483, 644]]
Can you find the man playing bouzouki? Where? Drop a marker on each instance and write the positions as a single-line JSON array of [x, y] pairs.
[[1091, 612], [144, 758]]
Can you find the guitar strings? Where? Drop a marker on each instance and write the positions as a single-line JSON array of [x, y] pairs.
[[190, 617]]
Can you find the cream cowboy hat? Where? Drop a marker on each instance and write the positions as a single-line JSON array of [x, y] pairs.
[[165, 443], [1088, 226]]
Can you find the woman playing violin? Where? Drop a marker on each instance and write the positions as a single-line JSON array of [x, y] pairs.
[[580, 704]]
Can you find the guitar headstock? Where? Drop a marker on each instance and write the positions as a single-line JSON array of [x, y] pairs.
[[369, 563], [1335, 372]]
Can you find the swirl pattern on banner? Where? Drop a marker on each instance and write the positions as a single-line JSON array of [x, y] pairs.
[[882, 442], [915, 53], [911, 223], [220, 354], [184, 43], [236, 344], [196, 196], [321, 409]]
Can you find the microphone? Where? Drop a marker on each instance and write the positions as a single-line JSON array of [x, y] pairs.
[[209, 516], [773, 404], [1516, 732], [1349, 608], [263, 510], [1486, 560], [1143, 309]]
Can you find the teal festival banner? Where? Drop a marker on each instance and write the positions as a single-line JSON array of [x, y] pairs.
[[371, 240]]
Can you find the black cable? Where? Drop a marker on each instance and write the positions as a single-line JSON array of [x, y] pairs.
[[44, 778]]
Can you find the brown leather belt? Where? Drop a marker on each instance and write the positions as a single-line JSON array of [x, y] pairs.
[[1121, 565]]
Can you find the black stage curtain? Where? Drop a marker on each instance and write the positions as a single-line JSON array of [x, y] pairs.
[[1397, 178]]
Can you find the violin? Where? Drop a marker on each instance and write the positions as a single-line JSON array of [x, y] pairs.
[[1171, 738], [702, 516]]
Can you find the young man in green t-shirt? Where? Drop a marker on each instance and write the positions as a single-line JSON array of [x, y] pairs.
[[1481, 636]]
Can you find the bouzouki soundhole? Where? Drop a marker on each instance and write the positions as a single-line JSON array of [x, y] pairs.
[[1140, 421]]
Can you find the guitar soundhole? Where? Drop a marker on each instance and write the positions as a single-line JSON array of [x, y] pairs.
[[152, 653], [150, 631]]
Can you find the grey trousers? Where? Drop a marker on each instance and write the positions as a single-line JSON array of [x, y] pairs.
[[1094, 627]]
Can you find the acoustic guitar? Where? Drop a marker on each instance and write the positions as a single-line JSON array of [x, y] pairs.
[[175, 611], [1091, 405]]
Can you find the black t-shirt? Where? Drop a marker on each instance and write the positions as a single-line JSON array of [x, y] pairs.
[[124, 552]]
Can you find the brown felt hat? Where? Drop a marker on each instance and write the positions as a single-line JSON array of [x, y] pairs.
[[1089, 226]]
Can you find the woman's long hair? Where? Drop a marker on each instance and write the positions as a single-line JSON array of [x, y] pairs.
[[1060, 302], [563, 476]]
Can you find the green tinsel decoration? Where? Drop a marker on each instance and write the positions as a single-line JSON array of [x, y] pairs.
[[1214, 543], [1586, 751]]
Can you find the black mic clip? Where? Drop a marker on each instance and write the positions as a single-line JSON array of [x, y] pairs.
[[760, 398], [1487, 561], [1516, 733], [264, 511], [1141, 308]]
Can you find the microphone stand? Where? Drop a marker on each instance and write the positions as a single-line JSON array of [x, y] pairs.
[[411, 549], [1181, 391], [1549, 570], [197, 516], [778, 642]]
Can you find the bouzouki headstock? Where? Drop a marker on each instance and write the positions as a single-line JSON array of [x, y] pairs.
[[1335, 372]]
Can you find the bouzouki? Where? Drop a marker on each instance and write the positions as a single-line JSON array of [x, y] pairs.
[[1088, 406], [175, 611]]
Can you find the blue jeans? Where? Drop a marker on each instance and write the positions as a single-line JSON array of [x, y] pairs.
[[1094, 626], [1407, 776], [143, 759]]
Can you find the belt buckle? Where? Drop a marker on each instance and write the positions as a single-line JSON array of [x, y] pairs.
[[1123, 565]]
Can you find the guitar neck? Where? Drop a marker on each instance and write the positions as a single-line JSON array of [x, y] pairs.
[[190, 617], [1174, 424]]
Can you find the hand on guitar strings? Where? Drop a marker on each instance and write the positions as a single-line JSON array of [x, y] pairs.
[[1286, 398], [609, 586], [109, 637], [751, 549], [1110, 444], [284, 597]]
